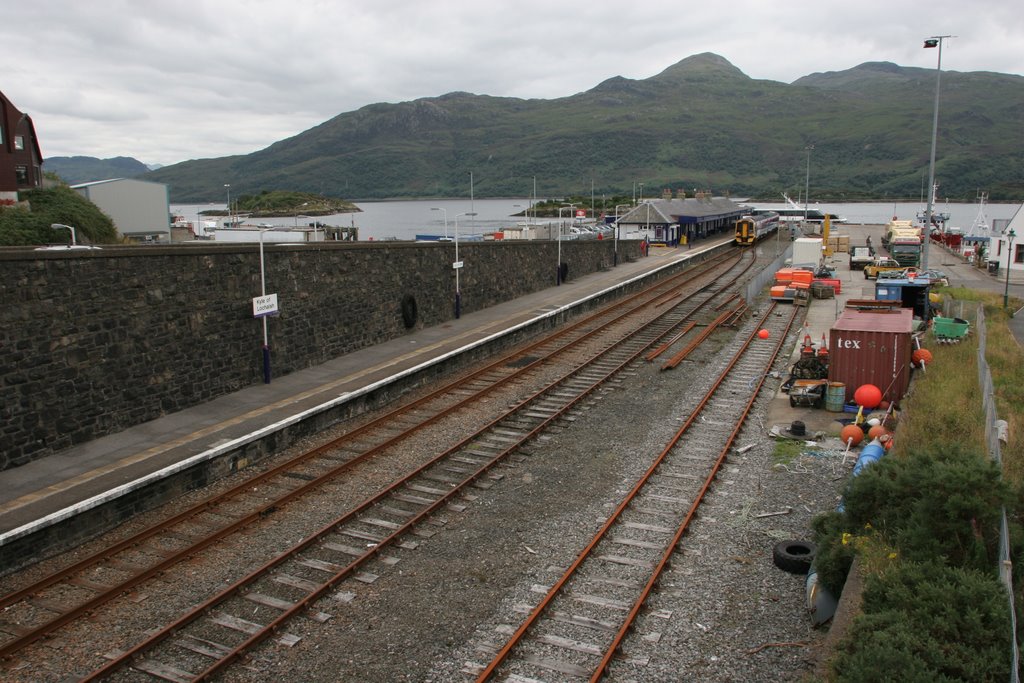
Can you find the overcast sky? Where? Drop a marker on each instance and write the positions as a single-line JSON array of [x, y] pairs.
[[169, 80]]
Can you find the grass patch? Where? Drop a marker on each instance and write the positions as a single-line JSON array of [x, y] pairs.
[[945, 400], [787, 450], [1006, 360]]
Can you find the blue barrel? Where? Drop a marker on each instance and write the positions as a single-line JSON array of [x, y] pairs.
[[835, 397], [870, 454]]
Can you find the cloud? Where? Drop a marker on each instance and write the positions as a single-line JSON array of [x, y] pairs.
[[165, 82]]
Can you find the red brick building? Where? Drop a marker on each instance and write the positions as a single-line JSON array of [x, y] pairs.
[[20, 159]]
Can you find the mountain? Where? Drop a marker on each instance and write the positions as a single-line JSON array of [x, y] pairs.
[[75, 170], [700, 123]]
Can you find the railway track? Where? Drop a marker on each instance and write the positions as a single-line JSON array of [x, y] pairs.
[[584, 618], [664, 310]]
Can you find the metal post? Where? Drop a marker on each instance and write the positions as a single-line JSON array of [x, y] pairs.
[[263, 292], [57, 226], [458, 291], [229, 202], [558, 266], [445, 212], [1009, 259], [934, 41], [807, 180], [458, 266], [617, 217]]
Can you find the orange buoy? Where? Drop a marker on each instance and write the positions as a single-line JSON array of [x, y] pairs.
[[852, 435], [921, 356], [868, 395], [877, 431]]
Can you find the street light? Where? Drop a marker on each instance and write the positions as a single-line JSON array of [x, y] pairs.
[[807, 180], [229, 202], [934, 41], [445, 211], [263, 293], [617, 217], [57, 226], [1009, 259], [458, 264], [558, 268]]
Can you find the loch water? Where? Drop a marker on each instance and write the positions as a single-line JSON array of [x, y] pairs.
[[404, 219]]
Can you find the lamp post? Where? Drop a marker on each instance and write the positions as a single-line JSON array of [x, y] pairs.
[[263, 293], [58, 226], [558, 267], [807, 180], [1009, 259], [458, 264], [229, 202], [617, 217], [445, 212], [934, 41]]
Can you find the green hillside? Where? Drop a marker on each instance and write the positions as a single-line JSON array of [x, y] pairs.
[[74, 170], [701, 123]]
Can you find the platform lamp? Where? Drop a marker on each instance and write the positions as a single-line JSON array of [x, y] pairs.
[[934, 41], [263, 293], [807, 180], [617, 217], [1009, 259], [61, 226], [558, 266], [228, 186], [444, 211], [458, 264]]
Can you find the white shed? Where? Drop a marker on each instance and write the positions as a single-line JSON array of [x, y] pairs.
[[1003, 243], [141, 210]]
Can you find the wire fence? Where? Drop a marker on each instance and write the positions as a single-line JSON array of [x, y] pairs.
[[995, 435]]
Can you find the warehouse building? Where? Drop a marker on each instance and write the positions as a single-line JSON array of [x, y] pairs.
[[141, 210]]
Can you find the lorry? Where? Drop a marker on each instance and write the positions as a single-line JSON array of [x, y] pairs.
[[906, 249], [861, 256], [882, 265], [902, 239]]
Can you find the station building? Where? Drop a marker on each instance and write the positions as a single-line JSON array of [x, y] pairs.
[[671, 222]]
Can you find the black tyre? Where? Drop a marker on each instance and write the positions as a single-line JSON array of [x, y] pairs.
[[794, 557]]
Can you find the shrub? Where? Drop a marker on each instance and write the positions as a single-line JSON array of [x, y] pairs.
[[943, 504], [59, 204], [923, 506], [928, 622], [832, 558]]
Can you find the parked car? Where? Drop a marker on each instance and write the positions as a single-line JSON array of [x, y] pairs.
[[882, 265], [937, 277]]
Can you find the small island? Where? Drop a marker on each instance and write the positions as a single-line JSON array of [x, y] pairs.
[[281, 203]]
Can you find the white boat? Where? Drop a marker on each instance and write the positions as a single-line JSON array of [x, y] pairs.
[[794, 213]]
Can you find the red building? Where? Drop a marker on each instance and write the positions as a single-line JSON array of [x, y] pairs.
[[20, 159]]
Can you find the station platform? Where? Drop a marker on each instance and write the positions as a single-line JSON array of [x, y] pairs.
[[50, 490]]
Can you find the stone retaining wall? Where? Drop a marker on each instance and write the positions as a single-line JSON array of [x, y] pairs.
[[94, 342]]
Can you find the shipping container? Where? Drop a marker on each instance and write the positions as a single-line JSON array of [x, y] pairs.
[[807, 251], [872, 347], [911, 294]]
